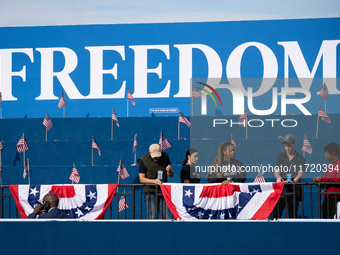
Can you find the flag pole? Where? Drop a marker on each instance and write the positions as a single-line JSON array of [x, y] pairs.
[[64, 114], [23, 135], [111, 129], [178, 130], [1, 110], [134, 162], [325, 105], [127, 107], [304, 154], [29, 179], [92, 157], [46, 135], [317, 127], [161, 141], [118, 181]]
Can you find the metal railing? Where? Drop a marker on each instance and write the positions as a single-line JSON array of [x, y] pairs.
[[135, 208]]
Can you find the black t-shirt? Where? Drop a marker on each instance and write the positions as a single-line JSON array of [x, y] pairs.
[[189, 173]]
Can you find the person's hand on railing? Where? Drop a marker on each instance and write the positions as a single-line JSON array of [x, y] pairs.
[[157, 181], [225, 182], [317, 179]]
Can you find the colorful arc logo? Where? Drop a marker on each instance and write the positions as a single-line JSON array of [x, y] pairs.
[[208, 92]]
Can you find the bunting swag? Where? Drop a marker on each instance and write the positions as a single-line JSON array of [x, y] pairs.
[[86, 202], [215, 201]]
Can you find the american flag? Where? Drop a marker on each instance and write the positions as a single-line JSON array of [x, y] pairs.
[[121, 170], [62, 102], [324, 92], [232, 141], [129, 96], [259, 177], [0, 98], [243, 120], [47, 122], [307, 147], [135, 143], [163, 142], [95, 146], [196, 92], [323, 115], [184, 119], [22, 144], [114, 117], [1, 146], [122, 204], [86, 202], [215, 201], [75, 177], [280, 137], [26, 168]]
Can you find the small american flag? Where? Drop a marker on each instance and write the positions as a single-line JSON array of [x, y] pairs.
[[324, 92], [1, 146], [129, 96], [0, 98], [163, 142], [75, 177], [196, 92], [243, 120], [323, 115], [135, 143], [122, 205], [95, 146], [26, 168], [307, 147], [121, 170], [47, 122], [259, 177], [62, 102], [22, 144], [114, 117], [232, 141], [184, 119]]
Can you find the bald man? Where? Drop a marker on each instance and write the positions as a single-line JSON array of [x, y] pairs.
[[50, 210]]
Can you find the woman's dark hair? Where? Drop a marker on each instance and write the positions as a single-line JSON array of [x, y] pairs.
[[333, 148], [189, 152]]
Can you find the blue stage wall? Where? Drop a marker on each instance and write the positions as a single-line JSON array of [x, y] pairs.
[[167, 237], [96, 64]]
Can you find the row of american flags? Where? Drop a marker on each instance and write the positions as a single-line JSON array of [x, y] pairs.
[[22, 146]]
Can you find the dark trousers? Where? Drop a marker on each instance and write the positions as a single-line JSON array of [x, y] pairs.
[[329, 214], [280, 206]]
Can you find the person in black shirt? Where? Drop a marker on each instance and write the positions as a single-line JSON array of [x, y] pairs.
[[188, 172], [226, 168], [290, 167]]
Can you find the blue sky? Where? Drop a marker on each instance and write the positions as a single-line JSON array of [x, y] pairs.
[[74, 12]]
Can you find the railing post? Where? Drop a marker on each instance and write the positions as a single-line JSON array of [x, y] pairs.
[[133, 201], [311, 201], [319, 201], [156, 209]]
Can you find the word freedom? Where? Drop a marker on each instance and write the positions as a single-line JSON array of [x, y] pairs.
[[94, 55], [256, 122]]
